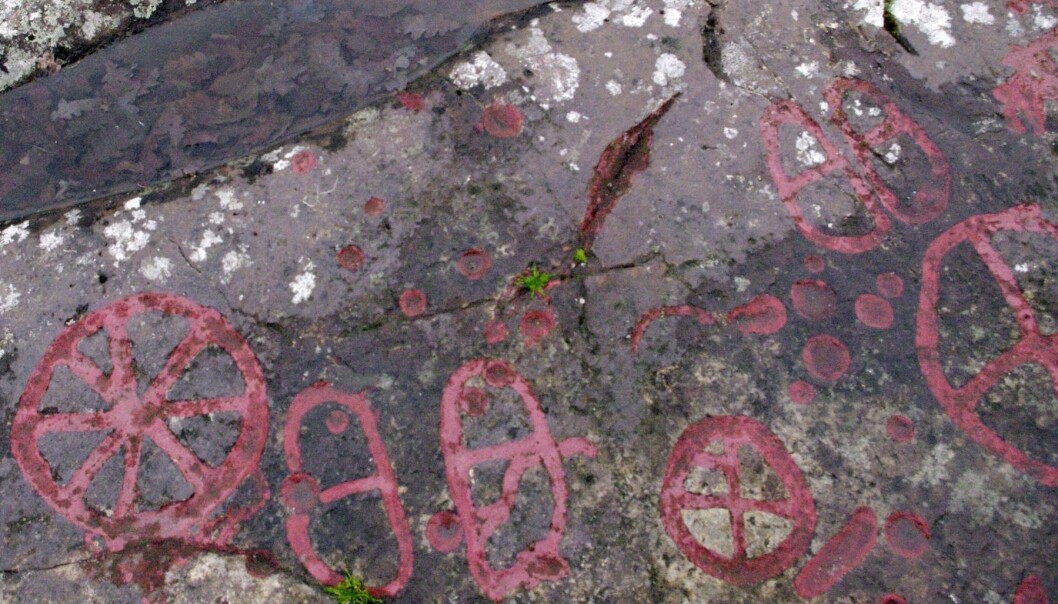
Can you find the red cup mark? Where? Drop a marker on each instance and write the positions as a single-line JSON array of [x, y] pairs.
[[893, 599], [536, 324], [444, 531], [889, 285], [299, 486], [901, 429], [411, 101], [1033, 347], [474, 263], [692, 451], [874, 311], [815, 264], [502, 120], [1035, 81], [495, 332], [785, 112], [907, 534], [540, 561], [412, 302], [374, 206], [931, 196], [764, 315], [132, 418], [337, 421], [473, 401], [826, 358], [845, 551], [801, 392], [684, 310], [351, 258], [814, 300], [1030, 591], [303, 162]]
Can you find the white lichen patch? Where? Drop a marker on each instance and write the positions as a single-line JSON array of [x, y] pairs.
[[200, 251], [593, 16], [480, 69], [931, 19], [303, 284], [73, 217], [668, 67], [808, 70], [558, 76], [636, 17], [51, 240], [730, 133], [16, 233], [893, 153], [125, 240], [934, 468], [228, 201], [233, 261], [1042, 20], [9, 297], [156, 268], [808, 152], [613, 87], [977, 12]]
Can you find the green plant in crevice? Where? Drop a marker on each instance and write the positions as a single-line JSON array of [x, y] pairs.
[[351, 590], [580, 256], [534, 280]]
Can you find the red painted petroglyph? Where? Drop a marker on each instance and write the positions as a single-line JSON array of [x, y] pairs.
[[801, 392], [337, 421], [542, 560], [684, 310], [890, 285], [900, 429], [1035, 81], [502, 120], [814, 300], [690, 452], [763, 315], [815, 264], [931, 196], [473, 401], [495, 332], [303, 162], [131, 418], [874, 311], [351, 258], [826, 358], [411, 101], [536, 324], [1033, 347], [412, 302], [374, 206], [907, 534], [1030, 591], [474, 263], [625, 156], [300, 492], [785, 112], [845, 551], [444, 531], [893, 599]]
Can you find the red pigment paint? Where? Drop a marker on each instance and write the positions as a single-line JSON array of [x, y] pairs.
[[495, 332], [890, 285], [337, 421], [502, 120], [303, 162], [411, 101], [1030, 591], [785, 112], [690, 452], [907, 534], [893, 599], [844, 552], [1033, 347], [825, 357], [764, 315], [351, 258], [901, 429], [300, 499], [473, 401], [412, 302], [815, 264], [684, 310], [814, 300], [444, 531], [540, 561], [874, 311], [132, 418], [801, 392], [374, 206], [931, 195], [1035, 81], [474, 263], [625, 156], [536, 324]]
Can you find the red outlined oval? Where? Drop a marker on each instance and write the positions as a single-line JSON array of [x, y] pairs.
[[690, 452], [1033, 347], [784, 112], [301, 493], [130, 418]]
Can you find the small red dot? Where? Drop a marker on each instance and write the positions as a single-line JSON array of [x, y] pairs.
[[303, 162], [889, 285], [815, 264], [337, 421], [826, 358], [474, 263], [502, 120], [495, 332], [412, 101], [351, 257], [474, 402], [374, 206], [412, 302], [874, 311], [536, 324], [499, 374], [801, 392], [901, 429]]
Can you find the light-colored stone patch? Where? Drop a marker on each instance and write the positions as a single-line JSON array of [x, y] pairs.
[[215, 578], [156, 268], [233, 261], [51, 240], [303, 284], [668, 67], [9, 297], [201, 251], [15, 233], [125, 240], [931, 19], [977, 12], [480, 69], [808, 152]]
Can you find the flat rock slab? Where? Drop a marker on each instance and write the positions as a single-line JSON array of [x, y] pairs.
[[659, 301]]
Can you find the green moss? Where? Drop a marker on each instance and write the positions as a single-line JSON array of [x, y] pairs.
[[535, 280], [351, 591]]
